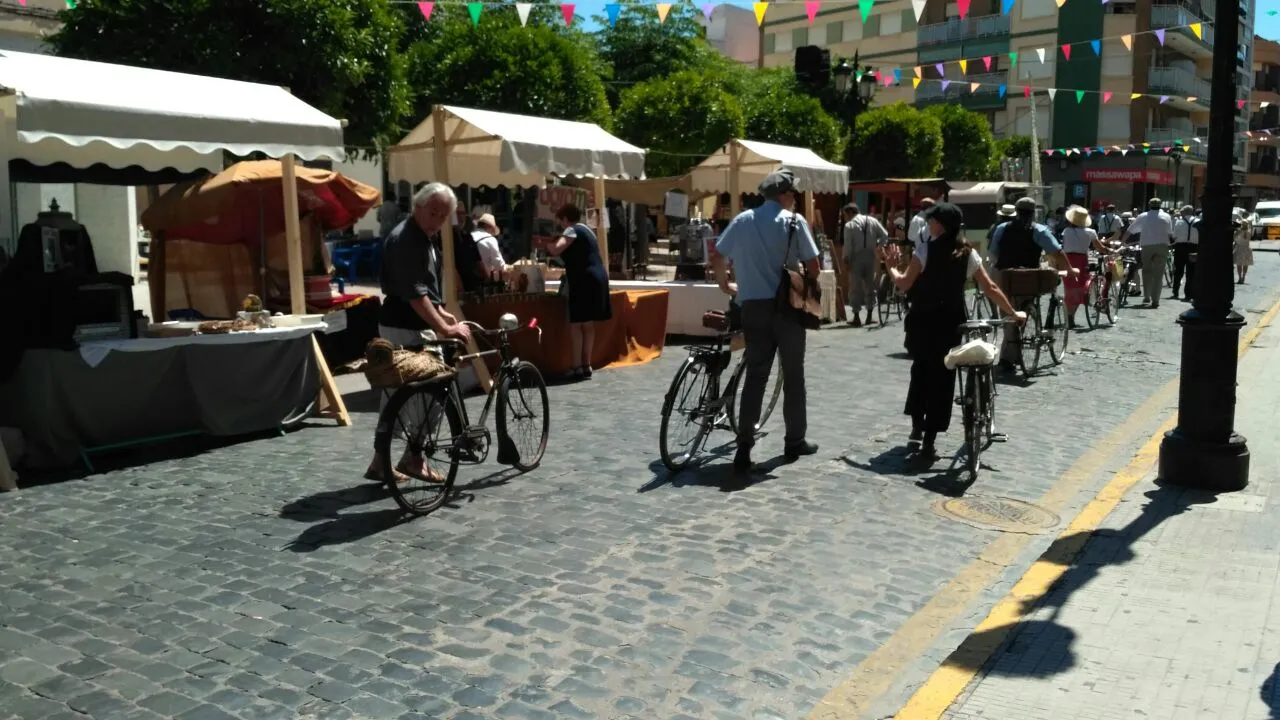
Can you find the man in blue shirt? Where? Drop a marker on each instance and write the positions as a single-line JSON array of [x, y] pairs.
[[757, 243], [1018, 245]]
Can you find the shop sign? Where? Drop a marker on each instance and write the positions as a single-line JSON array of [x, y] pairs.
[[550, 199], [1138, 175]]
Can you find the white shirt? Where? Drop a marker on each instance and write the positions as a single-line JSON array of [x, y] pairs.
[[1077, 239], [863, 232], [1155, 226], [974, 264], [918, 231], [1185, 232], [490, 253], [1109, 224]]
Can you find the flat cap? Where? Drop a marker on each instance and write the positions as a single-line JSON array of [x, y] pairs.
[[777, 182], [1026, 203]]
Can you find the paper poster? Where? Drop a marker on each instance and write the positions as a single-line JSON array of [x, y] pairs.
[[550, 200], [676, 205]]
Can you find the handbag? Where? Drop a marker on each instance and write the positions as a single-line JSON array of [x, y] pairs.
[[798, 295]]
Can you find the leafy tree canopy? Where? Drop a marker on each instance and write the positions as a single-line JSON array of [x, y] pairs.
[[337, 55], [680, 119], [967, 143], [776, 111], [540, 69], [639, 47], [1014, 146], [894, 141]]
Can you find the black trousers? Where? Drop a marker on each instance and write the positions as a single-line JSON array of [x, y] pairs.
[[931, 394], [1182, 263], [770, 333]]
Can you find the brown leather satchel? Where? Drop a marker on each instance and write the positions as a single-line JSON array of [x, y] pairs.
[[797, 293]]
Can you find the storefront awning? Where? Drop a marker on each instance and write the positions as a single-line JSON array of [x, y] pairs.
[[758, 159], [494, 149], [85, 114], [970, 193]]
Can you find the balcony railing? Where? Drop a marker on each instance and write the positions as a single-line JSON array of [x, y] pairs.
[[955, 29], [1177, 16], [1176, 81], [991, 83], [1162, 137]]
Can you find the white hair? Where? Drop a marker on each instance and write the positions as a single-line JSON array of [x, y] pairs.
[[436, 189]]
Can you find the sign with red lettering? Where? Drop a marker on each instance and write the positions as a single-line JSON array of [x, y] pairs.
[[1137, 175]]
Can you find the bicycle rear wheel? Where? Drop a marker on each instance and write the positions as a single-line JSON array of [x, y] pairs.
[[1029, 340], [524, 417], [772, 391], [411, 448], [974, 425], [1059, 330], [978, 309], [1092, 301], [685, 423]]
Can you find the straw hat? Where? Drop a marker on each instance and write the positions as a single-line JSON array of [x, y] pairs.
[[1007, 210], [486, 221], [1078, 216]]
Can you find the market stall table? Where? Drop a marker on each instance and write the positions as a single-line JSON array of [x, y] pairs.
[[635, 334], [688, 301], [116, 393]]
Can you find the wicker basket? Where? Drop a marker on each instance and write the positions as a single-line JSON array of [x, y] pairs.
[[389, 367], [1028, 282]]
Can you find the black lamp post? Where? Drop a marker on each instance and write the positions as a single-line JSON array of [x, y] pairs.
[[857, 92], [1204, 451]]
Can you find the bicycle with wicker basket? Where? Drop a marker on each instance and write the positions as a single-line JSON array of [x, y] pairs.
[[419, 463], [1038, 293]]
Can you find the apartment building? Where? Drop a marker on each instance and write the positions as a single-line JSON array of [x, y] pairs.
[[1262, 181], [1178, 68], [733, 32]]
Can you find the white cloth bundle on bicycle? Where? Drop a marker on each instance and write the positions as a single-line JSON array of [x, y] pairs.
[[972, 353]]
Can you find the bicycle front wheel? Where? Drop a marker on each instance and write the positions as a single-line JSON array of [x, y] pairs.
[[772, 391], [524, 417], [978, 307], [1029, 339], [1093, 301], [415, 459], [974, 425], [685, 423], [1059, 330]]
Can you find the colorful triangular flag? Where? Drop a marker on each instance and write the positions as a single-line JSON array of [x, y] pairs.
[[1026, 91], [1240, 104], [1097, 46], [664, 8], [919, 74], [1106, 97], [1196, 29], [1006, 6], [811, 9], [611, 10], [1060, 3], [1079, 96], [986, 61], [707, 9], [1263, 104], [897, 75], [1040, 53], [71, 4], [973, 87], [1003, 88], [474, 9], [1053, 92], [963, 7], [945, 83], [1128, 42], [941, 70], [918, 6], [566, 10], [522, 9], [425, 8], [915, 82], [761, 8], [864, 9], [1192, 99], [964, 67], [1135, 96], [1066, 51], [1160, 36]]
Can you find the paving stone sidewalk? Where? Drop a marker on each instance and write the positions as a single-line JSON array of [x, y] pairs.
[[1170, 610], [266, 580]]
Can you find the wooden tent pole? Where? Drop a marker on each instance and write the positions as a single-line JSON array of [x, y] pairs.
[[735, 201], [330, 403], [602, 235], [449, 281]]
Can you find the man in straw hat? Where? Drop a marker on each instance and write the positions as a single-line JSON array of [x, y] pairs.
[[758, 242], [1004, 215]]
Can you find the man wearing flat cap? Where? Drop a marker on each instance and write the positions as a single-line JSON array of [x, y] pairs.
[[1186, 241], [758, 242]]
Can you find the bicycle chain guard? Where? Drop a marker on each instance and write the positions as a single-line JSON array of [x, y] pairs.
[[472, 446]]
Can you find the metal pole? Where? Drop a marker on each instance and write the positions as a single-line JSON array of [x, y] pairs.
[[1204, 451]]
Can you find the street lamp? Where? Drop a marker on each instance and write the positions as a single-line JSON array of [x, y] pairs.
[[1204, 451], [844, 77]]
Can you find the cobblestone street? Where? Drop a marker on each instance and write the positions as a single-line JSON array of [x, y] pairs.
[[267, 580]]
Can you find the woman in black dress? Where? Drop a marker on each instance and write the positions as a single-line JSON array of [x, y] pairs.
[[936, 277], [585, 283]]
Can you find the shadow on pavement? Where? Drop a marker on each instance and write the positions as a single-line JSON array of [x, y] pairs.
[[905, 462], [327, 504], [721, 475], [347, 528], [1041, 647]]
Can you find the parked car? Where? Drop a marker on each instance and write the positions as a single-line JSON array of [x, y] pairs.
[[1266, 220]]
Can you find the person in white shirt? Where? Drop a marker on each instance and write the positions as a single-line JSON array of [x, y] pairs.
[[1186, 239], [918, 230], [1077, 240], [1109, 224], [862, 235], [486, 239], [1154, 229]]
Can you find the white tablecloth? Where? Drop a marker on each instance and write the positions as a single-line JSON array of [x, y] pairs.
[[827, 282], [95, 351], [687, 303]]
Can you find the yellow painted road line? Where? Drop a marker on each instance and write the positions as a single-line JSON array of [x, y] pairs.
[[949, 681], [881, 669]]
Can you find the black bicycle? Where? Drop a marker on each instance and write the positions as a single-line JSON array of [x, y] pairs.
[[977, 394], [694, 404], [419, 464]]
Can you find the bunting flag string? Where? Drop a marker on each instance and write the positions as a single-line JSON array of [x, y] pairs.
[[474, 9], [1166, 147], [663, 9], [522, 9], [811, 9]]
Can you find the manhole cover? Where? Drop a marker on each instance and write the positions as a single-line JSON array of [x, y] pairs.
[[997, 513]]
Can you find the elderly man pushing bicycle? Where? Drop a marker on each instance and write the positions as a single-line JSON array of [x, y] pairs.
[[759, 242]]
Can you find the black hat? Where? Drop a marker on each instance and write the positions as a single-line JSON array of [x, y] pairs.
[[777, 182], [949, 216]]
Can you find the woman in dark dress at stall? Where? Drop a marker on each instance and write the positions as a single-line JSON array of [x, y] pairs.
[[585, 283], [936, 277]]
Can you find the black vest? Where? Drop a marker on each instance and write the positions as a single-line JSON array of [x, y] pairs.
[[1018, 248], [940, 287]]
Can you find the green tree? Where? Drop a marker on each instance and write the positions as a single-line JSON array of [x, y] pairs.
[[894, 141], [680, 119], [775, 110], [338, 55], [639, 47], [967, 143], [539, 69], [1014, 146]]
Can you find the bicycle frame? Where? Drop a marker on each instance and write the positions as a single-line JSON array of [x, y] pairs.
[[453, 391], [711, 351]]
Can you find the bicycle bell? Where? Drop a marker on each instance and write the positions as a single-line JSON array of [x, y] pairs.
[[509, 322]]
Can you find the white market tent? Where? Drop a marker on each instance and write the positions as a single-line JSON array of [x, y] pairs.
[[480, 147], [744, 163], [86, 114]]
